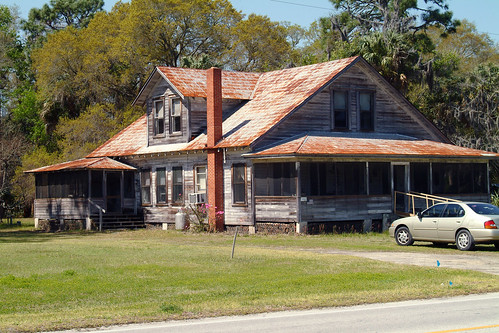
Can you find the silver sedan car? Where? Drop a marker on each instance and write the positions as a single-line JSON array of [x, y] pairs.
[[465, 223]]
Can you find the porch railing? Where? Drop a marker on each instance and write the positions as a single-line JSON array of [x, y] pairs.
[[101, 211], [409, 202]]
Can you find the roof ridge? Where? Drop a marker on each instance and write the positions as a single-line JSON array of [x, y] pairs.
[[305, 139]]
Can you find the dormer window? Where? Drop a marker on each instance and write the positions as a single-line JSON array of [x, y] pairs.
[[175, 115], [366, 111], [159, 117]]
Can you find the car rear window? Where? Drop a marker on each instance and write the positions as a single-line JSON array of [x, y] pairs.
[[485, 209]]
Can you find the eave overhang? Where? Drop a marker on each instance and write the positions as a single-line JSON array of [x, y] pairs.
[[102, 163]]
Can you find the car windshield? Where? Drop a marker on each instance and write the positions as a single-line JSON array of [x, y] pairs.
[[484, 209]]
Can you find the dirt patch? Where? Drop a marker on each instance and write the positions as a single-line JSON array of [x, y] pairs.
[[477, 262]]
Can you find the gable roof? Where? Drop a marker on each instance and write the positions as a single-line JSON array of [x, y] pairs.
[[103, 163], [126, 142], [372, 145], [189, 82], [276, 95]]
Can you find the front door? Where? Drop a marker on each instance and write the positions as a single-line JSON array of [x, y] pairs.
[[113, 192], [401, 184]]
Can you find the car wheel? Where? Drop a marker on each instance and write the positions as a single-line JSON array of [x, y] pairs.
[[464, 240], [403, 236]]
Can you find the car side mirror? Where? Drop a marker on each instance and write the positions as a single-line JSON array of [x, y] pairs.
[[420, 216]]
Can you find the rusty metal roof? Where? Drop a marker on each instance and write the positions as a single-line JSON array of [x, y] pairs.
[[189, 82], [276, 95], [192, 82], [335, 144], [126, 142], [102, 163]]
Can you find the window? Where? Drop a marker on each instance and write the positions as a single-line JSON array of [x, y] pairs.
[[459, 178], [161, 185], [453, 210], [366, 111], [239, 183], [420, 177], [42, 185], [129, 184], [145, 184], [200, 186], [434, 211], [96, 184], [177, 185], [340, 109], [323, 179], [275, 179], [379, 178], [175, 115], [159, 117]]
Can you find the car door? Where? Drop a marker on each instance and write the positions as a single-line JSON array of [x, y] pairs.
[[426, 227], [451, 219]]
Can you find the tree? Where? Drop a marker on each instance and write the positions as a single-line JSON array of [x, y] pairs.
[[100, 122], [360, 17], [57, 16], [12, 60], [12, 147], [107, 61], [259, 45], [390, 34], [165, 31], [467, 44]]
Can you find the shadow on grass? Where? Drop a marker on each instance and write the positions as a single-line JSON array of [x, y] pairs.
[[37, 236]]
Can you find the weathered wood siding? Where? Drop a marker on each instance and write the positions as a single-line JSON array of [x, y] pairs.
[[276, 209], [61, 208], [392, 113], [348, 208], [237, 214], [234, 214]]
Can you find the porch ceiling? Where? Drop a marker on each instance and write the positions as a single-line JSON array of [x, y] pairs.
[[102, 163], [364, 145]]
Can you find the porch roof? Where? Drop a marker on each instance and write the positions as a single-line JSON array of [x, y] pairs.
[[366, 145], [102, 163]]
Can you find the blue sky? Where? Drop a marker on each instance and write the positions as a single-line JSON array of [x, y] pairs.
[[484, 13]]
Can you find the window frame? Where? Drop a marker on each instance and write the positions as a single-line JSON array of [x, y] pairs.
[[285, 185], [172, 113], [159, 186], [372, 104], [144, 185], [334, 110], [236, 184], [177, 198], [158, 117], [197, 181]]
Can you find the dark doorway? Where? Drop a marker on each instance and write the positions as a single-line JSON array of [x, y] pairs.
[[113, 192], [400, 184]]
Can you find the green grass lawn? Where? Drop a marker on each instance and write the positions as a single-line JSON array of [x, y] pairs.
[[81, 279]]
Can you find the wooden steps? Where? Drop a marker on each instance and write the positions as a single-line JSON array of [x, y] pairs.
[[119, 221]]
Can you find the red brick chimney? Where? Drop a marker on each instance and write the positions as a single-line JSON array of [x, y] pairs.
[[215, 156]]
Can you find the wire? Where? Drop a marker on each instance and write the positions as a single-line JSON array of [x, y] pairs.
[[300, 4]]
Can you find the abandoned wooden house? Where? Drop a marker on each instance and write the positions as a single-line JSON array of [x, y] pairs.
[[302, 149]]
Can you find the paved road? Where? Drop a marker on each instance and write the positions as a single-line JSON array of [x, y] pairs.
[[473, 313]]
